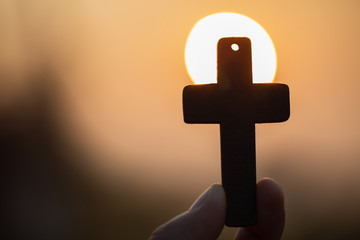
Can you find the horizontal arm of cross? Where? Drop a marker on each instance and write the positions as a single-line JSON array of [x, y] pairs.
[[212, 103]]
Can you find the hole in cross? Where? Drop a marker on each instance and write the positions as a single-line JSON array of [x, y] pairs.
[[235, 47]]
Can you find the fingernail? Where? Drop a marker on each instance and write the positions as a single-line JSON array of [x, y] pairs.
[[201, 200], [215, 193]]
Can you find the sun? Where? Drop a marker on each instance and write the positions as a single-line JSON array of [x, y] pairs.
[[200, 50]]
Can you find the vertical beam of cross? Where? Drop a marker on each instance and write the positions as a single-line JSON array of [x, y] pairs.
[[237, 104]]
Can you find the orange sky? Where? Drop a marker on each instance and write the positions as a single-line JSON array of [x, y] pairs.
[[121, 69]]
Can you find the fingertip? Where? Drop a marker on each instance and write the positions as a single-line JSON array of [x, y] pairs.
[[270, 190], [213, 198], [270, 197], [217, 195], [210, 216], [204, 220]]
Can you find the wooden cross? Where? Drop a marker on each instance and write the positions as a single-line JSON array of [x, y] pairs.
[[237, 104]]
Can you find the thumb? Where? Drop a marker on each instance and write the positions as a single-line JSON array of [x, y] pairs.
[[204, 220]]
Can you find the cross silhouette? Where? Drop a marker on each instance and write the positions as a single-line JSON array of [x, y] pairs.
[[237, 104]]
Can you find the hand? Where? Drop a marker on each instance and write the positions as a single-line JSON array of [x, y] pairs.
[[205, 218]]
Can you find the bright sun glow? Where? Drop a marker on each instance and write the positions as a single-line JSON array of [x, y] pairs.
[[200, 50]]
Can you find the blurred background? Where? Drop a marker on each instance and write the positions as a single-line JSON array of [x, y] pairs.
[[93, 143]]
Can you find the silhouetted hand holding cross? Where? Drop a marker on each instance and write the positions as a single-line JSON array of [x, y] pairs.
[[205, 219], [237, 104]]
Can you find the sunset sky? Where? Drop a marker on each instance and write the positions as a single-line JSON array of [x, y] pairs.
[[119, 69]]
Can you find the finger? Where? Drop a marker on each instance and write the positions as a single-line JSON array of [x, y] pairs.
[[271, 214], [204, 220]]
